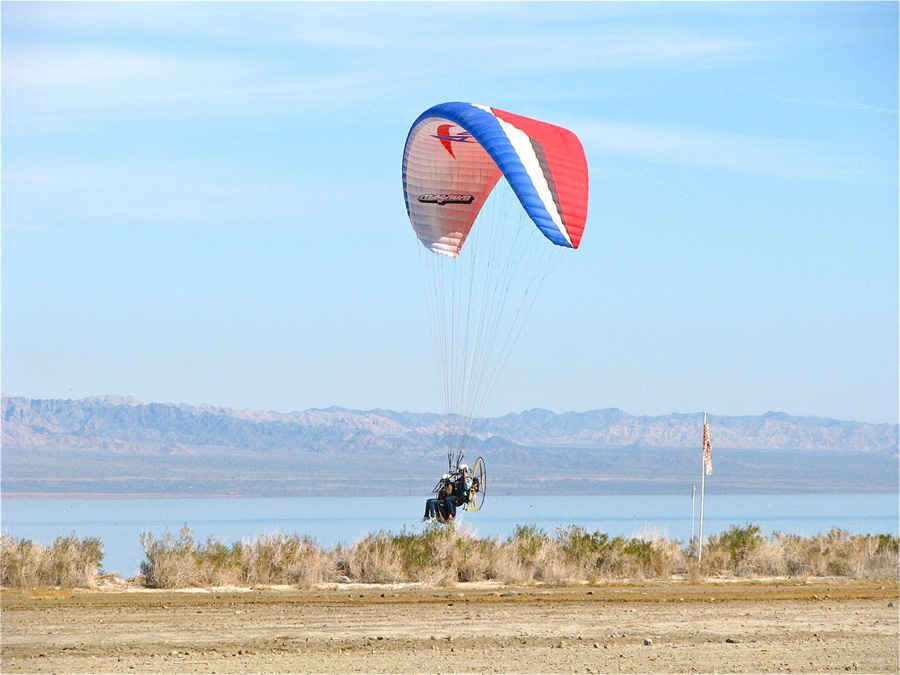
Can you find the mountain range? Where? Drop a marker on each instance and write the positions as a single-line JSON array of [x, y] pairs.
[[120, 445]]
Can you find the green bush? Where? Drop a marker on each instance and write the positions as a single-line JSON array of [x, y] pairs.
[[528, 540], [578, 545], [737, 542]]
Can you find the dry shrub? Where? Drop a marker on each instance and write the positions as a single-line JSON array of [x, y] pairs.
[[435, 555], [170, 562], [732, 551], [20, 562], [509, 568], [767, 559], [551, 568], [530, 555], [800, 556], [635, 558], [283, 559], [716, 560], [664, 557], [441, 555], [522, 557], [476, 557], [847, 555], [883, 561], [576, 555], [373, 559], [838, 553], [745, 552], [69, 562], [438, 555]]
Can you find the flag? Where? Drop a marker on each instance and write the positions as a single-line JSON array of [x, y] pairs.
[[707, 450]]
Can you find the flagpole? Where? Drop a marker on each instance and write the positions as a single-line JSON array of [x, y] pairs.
[[702, 493], [693, 510]]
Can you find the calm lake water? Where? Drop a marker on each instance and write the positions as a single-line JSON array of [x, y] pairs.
[[118, 523]]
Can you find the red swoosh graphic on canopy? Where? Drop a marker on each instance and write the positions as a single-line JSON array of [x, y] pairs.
[[443, 131]]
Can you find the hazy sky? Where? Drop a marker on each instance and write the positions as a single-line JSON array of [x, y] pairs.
[[202, 203]]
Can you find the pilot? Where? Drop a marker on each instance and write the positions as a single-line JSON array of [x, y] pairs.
[[460, 494]]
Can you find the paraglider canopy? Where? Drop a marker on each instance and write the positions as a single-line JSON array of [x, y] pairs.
[[456, 152]]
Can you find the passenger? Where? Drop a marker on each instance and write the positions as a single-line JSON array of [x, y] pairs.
[[435, 507]]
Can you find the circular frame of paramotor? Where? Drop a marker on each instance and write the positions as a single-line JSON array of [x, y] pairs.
[[479, 487]]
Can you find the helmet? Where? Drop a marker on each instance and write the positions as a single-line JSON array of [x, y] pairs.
[[446, 476], [463, 467]]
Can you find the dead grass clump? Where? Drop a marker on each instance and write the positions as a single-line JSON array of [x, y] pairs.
[[766, 559], [69, 562], [284, 559], [434, 556], [373, 559], [801, 557], [883, 561], [509, 568], [171, 562], [476, 557], [552, 569], [527, 556], [837, 553], [664, 556]]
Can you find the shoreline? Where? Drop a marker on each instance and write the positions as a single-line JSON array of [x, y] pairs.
[[720, 491]]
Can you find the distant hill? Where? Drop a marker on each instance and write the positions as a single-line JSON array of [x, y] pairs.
[[121, 445]]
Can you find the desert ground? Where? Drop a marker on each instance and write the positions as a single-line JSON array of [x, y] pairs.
[[771, 626]]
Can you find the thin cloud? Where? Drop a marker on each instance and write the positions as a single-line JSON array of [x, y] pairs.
[[843, 105], [359, 28], [120, 193], [76, 66], [25, 227], [193, 55], [60, 82], [696, 148], [186, 192], [53, 83]]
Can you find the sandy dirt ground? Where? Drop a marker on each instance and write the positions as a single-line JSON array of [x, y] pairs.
[[675, 627]]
